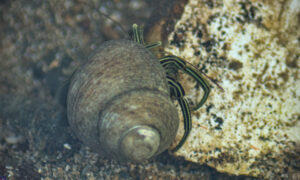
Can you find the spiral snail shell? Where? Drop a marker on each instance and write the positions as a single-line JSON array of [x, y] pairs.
[[119, 103]]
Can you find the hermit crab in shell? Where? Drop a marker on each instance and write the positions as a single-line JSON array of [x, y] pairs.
[[119, 101]]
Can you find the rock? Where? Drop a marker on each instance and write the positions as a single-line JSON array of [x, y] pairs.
[[252, 49]]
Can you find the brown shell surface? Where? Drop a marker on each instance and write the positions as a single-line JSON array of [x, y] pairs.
[[117, 67]]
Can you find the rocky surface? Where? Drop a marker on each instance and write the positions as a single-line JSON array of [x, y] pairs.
[[251, 49]]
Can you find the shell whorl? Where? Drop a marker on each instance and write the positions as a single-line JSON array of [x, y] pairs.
[[119, 104], [139, 108]]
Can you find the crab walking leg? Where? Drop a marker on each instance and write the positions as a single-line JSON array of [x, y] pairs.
[[192, 71], [203, 83], [178, 92]]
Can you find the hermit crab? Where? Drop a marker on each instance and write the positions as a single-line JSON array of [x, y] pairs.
[[119, 101]]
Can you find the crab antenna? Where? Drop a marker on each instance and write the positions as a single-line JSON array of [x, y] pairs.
[[115, 22]]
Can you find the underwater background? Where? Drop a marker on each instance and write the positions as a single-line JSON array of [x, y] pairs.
[[248, 131]]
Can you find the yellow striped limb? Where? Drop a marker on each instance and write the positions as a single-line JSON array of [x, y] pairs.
[[178, 92]]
